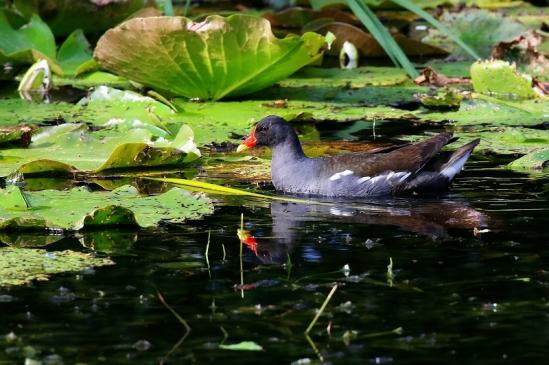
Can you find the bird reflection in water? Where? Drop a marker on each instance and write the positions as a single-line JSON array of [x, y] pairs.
[[430, 218]]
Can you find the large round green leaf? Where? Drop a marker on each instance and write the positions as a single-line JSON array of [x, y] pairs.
[[216, 58], [78, 208]]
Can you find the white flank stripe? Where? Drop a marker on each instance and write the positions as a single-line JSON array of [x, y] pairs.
[[338, 175]]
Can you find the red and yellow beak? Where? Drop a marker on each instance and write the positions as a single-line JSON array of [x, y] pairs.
[[248, 143]]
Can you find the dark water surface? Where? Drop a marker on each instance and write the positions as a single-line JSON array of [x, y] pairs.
[[453, 297]]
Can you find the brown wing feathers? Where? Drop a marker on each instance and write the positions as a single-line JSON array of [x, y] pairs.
[[410, 158]]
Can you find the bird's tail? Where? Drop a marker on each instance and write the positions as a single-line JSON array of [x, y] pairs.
[[437, 177], [455, 164]]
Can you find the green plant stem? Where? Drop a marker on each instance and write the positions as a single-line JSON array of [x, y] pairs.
[[382, 35], [321, 310], [410, 6]]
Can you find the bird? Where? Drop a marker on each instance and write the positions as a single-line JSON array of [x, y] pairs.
[[408, 169]]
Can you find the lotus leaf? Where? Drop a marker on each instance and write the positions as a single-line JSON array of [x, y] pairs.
[[216, 58], [495, 112], [72, 147], [75, 54], [355, 78], [19, 266], [534, 160], [102, 106], [35, 41], [78, 208], [221, 121], [27, 44], [501, 79], [480, 29], [93, 79]]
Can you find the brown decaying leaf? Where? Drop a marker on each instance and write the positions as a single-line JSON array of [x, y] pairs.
[[525, 50], [24, 133], [430, 77], [365, 43]]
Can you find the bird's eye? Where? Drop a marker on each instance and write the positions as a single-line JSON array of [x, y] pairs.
[[261, 128]]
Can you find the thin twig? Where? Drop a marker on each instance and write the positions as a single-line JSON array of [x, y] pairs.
[[181, 320], [321, 310], [176, 315]]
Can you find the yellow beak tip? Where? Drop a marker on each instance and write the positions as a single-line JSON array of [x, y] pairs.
[[242, 147]]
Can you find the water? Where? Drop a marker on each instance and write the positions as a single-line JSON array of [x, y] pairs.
[[452, 297]]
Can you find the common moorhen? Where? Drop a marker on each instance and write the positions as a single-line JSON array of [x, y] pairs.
[[406, 169]]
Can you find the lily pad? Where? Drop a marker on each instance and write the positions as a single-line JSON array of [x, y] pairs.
[[103, 105], [231, 120], [93, 79], [72, 147], [495, 112], [355, 78], [78, 208], [19, 266], [75, 54], [216, 58], [35, 41], [28, 44], [480, 29], [534, 160], [501, 79]]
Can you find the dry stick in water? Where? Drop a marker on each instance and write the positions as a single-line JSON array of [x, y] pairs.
[[181, 320], [321, 310]]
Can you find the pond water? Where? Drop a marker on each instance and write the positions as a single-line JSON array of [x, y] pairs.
[[453, 295]]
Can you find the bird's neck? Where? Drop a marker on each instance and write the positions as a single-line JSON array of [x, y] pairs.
[[288, 150]]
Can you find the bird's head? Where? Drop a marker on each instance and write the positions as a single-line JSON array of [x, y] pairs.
[[269, 132]]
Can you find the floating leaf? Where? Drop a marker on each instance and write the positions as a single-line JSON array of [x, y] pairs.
[[231, 120], [216, 58], [19, 266], [34, 42], [479, 29], [501, 79], [93, 79], [356, 78], [490, 111], [78, 208], [30, 43], [72, 147], [242, 346], [534, 160], [75, 54]]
